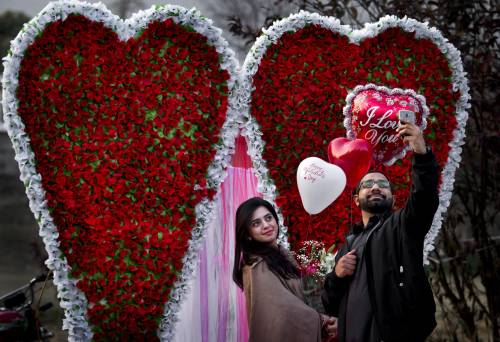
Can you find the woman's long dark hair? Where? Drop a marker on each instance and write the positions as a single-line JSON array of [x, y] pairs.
[[246, 248]]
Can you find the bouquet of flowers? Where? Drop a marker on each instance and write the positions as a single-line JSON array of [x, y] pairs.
[[315, 262]]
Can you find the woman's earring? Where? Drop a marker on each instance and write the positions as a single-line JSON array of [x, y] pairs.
[[249, 238]]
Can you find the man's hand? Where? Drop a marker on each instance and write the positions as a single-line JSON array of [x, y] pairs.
[[412, 135], [346, 265]]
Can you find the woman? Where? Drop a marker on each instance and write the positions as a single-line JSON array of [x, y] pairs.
[[271, 280]]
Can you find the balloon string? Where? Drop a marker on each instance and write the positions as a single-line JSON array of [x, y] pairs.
[[308, 227], [350, 211]]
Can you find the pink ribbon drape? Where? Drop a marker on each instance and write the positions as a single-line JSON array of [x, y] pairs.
[[214, 310]]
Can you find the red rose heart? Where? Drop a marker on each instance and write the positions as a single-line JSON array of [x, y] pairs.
[[353, 156], [121, 132], [372, 114], [303, 69]]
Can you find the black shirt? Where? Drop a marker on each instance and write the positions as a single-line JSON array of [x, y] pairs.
[[360, 322]]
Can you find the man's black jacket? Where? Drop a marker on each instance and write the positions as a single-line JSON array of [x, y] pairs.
[[400, 293]]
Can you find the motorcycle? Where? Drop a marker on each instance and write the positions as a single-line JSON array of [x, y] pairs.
[[20, 316]]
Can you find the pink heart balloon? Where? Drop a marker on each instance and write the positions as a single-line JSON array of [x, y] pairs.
[[372, 114], [353, 156]]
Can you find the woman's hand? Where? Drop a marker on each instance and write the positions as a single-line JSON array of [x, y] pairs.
[[328, 328]]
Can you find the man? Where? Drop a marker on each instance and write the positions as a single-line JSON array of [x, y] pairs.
[[378, 288]]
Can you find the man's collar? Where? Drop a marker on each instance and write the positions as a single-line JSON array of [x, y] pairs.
[[358, 226]]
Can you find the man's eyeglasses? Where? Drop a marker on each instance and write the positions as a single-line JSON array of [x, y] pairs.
[[368, 184]]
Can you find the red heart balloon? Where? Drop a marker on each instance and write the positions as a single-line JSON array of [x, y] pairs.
[[353, 156], [372, 114]]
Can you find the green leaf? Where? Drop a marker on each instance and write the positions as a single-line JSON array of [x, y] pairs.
[[46, 74], [189, 28], [96, 276], [150, 115], [139, 33], [332, 247], [78, 59], [95, 164], [131, 197], [172, 132], [127, 260], [407, 61]]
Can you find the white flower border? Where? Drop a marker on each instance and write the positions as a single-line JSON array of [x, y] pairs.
[[72, 300], [389, 91], [422, 31]]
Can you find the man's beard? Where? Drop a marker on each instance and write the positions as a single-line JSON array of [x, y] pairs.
[[378, 206]]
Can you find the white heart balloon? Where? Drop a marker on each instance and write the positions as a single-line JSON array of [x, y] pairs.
[[320, 183]]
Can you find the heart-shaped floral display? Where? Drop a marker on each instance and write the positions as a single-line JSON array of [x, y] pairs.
[[123, 119], [372, 114], [303, 67]]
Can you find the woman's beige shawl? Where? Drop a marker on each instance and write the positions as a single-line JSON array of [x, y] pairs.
[[275, 307]]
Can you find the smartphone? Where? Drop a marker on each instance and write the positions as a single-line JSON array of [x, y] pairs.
[[406, 116]]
